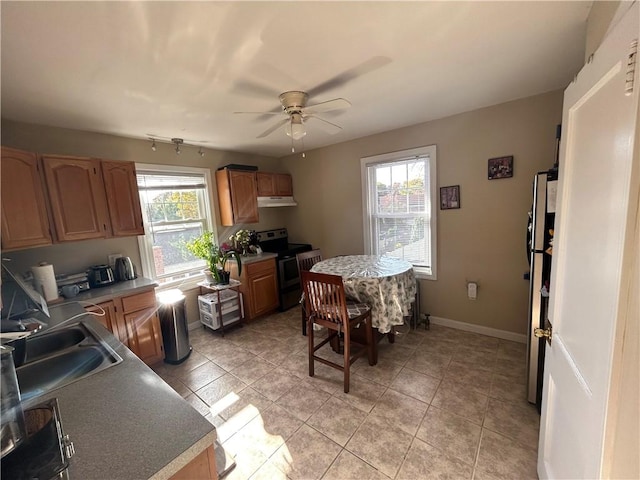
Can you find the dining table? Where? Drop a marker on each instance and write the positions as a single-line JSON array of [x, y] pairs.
[[387, 284]]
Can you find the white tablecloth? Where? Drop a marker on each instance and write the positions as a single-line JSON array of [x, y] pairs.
[[386, 284]]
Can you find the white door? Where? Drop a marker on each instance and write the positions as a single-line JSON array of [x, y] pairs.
[[594, 195]]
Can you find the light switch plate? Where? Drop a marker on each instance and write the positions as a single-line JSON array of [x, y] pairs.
[[472, 290]]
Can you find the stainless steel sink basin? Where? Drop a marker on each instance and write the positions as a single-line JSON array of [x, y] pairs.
[[57, 358]]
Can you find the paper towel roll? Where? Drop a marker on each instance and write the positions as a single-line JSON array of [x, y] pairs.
[[44, 281]]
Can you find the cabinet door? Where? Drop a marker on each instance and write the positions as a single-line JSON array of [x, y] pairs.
[[76, 193], [244, 193], [264, 293], [266, 184], [110, 319], [284, 184], [122, 198], [25, 222], [145, 337]]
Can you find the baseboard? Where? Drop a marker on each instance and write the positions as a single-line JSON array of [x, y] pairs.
[[469, 327]]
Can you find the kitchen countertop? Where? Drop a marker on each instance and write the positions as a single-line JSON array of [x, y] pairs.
[[118, 289], [125, 421], [247, 259]]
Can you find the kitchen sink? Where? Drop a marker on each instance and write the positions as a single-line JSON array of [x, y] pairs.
[[60, 357]]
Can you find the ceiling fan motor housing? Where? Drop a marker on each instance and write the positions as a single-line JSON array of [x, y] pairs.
[[293, 101]]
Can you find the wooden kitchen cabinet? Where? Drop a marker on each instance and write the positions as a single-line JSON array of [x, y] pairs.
[[202, 467], [110, 320], [143, 326], [259, 287], [134, 320], [25, 219], [123, 200], [274, 184], [77, 198], [237, 196]]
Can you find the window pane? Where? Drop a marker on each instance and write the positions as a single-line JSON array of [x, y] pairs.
[[405, 238], [170, 254], [399, 219], [175, 213]]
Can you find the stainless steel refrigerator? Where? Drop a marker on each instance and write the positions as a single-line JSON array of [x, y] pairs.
[[540, 252]]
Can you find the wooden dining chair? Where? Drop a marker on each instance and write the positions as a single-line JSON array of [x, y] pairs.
[[306, 260], [328, 307]]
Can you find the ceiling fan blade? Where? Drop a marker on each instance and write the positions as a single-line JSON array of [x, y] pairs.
[[260, 113], [330, 128], [247, 87], [365, 67], [273, 128], [335, 104]]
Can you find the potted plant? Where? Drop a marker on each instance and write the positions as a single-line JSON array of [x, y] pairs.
[[205, 247]]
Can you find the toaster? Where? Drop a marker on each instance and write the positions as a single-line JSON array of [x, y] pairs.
[[100, 276]]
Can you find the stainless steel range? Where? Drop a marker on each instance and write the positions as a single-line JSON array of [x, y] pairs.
[[277, 241]]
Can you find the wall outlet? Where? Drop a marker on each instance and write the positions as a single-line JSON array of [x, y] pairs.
[[472, 290], [112, 259]]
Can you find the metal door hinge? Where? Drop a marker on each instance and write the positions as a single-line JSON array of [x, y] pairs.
[[631, 67], [544, 332]]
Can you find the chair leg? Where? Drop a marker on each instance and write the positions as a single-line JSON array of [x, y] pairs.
[[304, 321], [371, 343], [347, 359], [311, 346]]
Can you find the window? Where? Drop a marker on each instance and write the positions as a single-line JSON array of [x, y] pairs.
[[399, 207], [176, 209]]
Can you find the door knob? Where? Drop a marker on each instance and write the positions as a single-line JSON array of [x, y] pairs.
[[544, 332]]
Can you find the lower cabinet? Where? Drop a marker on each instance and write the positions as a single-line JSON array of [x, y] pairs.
[[134, 321], [259, 287], [203, 467]]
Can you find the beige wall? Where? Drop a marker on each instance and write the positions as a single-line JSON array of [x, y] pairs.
[[483, 241], [600, 17]]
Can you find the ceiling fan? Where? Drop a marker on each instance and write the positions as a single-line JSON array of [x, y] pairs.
[[294, 102], [294, 105]]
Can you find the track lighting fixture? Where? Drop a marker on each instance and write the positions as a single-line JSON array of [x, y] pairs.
[[178, 142]]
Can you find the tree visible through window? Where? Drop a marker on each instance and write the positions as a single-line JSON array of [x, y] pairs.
[[175, 210], [399, 215]]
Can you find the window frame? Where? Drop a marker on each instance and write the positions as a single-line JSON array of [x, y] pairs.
[[369, 195], [145, 244]]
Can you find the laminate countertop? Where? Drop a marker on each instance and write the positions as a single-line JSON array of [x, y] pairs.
[[125, 421], [118, 289]]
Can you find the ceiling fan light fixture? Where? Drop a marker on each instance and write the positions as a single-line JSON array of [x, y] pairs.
[[296, 129]]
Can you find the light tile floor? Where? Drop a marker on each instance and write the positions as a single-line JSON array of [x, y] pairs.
[[440, 403]]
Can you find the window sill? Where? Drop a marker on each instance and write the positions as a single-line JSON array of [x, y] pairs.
[[182, 285]]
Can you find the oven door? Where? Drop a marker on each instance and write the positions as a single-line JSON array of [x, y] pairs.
[[288, 275]]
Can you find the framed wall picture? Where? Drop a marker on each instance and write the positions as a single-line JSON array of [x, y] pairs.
[[500, 167], [449, 197]]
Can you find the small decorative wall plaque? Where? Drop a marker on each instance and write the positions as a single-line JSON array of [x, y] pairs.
[[500, 167], [449, 197]]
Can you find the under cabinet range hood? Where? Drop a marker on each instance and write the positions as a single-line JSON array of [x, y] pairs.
[[264, 202]]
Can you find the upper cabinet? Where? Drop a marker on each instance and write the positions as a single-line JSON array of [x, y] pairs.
[[53, 198], [77, 198], [274, 184], [25, 222], [122, 198], [237, 196]]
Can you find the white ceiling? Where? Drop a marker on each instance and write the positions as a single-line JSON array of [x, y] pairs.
[[180, 69]]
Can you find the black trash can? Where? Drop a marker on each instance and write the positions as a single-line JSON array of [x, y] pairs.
[[173, 322]]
